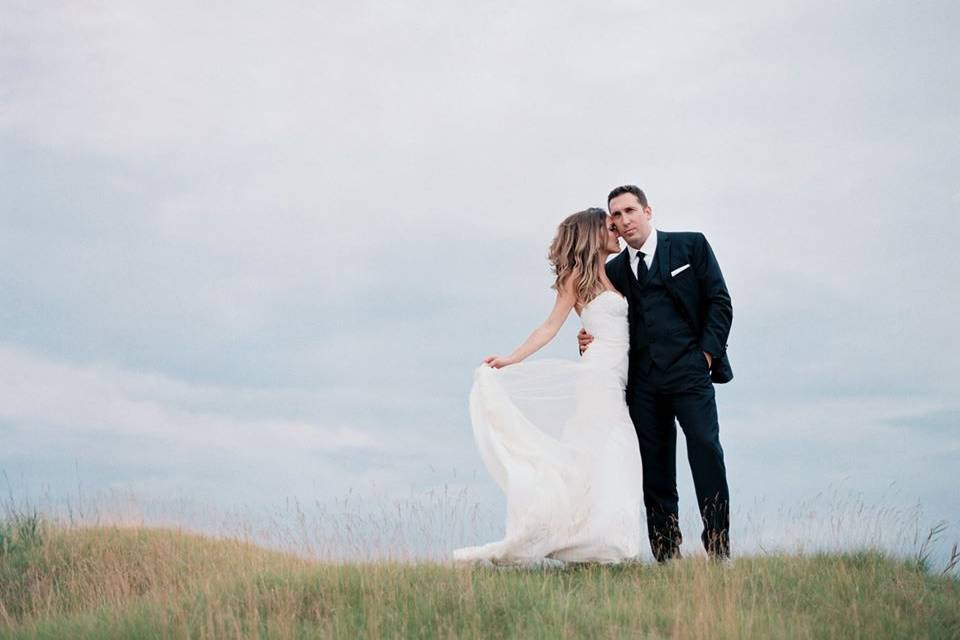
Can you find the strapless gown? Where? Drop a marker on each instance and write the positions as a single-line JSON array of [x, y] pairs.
[[557, 438]]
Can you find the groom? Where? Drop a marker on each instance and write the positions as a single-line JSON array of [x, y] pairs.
[[680, 316]]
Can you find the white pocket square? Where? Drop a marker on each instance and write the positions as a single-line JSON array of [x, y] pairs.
[[679, 270]]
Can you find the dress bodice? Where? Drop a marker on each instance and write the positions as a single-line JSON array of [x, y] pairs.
[[605, 318]]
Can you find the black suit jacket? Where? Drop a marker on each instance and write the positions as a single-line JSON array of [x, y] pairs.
[[698, 291]]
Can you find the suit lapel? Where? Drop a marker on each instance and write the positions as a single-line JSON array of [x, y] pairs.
[[629, 276], [663, 257], [615, 272]]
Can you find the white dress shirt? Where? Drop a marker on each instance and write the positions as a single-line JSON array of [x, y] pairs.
[[649, 248]]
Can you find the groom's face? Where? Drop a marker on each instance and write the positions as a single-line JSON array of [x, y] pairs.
[[631, 219]]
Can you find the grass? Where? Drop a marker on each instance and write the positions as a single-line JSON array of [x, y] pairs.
[[110, 582]]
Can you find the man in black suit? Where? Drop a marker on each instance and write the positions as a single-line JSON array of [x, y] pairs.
[[680, 316]]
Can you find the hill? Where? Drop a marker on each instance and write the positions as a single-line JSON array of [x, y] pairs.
[[111, 582]]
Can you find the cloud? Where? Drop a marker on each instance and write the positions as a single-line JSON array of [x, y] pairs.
[[105, 401]]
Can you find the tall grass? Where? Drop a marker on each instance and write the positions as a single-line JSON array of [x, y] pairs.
[[360, 568], [63, 581]]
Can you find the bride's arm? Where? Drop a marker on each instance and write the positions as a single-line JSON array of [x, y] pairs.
[[566, 298]]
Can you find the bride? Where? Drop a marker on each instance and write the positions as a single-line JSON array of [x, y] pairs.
[[556, 435]]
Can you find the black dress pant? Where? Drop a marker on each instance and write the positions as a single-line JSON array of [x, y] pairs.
[[657, 400]]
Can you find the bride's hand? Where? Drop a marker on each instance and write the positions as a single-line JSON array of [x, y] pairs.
[[498, 362]]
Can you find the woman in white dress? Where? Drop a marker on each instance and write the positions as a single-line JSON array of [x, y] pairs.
[[556, 435]]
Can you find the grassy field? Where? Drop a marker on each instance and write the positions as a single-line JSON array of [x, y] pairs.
[[106, 582]]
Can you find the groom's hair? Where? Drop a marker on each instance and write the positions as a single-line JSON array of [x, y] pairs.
[[628, 188]]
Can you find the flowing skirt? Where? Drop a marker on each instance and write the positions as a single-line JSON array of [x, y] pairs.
[[557, 438]]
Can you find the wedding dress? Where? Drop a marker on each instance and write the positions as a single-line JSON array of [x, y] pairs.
[[556, 436]]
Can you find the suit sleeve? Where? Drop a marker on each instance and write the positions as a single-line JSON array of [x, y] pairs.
[[718, 312]]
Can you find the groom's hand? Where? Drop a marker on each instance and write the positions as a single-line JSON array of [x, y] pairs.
[[709, 359], [584, 339]]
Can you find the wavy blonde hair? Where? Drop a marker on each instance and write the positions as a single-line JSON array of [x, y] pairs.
[[576, 250]]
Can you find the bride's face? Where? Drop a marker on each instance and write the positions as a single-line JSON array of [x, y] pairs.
[[611, 238]]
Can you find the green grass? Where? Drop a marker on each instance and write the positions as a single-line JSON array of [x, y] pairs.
[[106, 582]]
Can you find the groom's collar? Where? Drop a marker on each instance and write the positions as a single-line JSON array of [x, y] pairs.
[[649, 247]]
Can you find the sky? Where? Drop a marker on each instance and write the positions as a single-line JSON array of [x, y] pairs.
[[250, 256]]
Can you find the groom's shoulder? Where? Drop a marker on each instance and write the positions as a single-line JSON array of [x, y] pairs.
[[616, 259], [611, 265], [684, 237]]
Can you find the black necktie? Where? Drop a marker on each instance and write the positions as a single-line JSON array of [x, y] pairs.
[[641, 266]]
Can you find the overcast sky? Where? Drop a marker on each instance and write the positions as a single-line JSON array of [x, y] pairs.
[[253, 253]]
